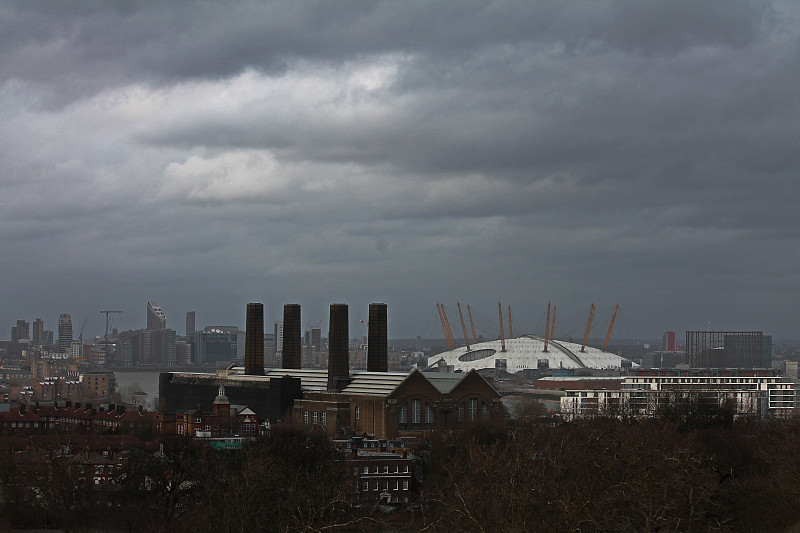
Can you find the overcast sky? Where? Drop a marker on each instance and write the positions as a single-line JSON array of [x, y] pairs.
[[207, 155]]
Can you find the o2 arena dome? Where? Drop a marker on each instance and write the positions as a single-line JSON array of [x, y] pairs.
[[528, 352]]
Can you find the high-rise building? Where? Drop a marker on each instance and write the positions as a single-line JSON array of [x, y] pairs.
[[156, 319], [190, 327], [21, 331], [64, 333], [38, 332], [728, 349], [279, 338], [254, 340], [668, 342], [219, 344]]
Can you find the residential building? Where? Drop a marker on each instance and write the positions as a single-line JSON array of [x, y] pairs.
[[64, 333], [646, 393]]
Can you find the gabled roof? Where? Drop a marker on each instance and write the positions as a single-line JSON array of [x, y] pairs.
[[444, 381], [316, 380]]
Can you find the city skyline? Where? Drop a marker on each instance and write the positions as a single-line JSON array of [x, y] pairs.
[[210, 155]]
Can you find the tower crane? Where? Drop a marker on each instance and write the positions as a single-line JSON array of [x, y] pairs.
[[107, 313], [553, 325], [510, 324], [588, 328], [80, 335]]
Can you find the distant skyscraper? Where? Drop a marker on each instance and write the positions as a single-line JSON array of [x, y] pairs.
[[279, 337], [23, 330], [38, 332], [156, 319], [668, 343], [190, 323], [64, 333]]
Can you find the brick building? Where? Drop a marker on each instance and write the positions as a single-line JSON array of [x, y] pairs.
[[391, 405]]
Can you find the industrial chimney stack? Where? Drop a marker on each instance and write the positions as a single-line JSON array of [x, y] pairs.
[[338, 355], [254, 340], [292, 349], [377, 346]]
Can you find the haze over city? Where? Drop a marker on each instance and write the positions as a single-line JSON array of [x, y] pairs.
[[209, 155]]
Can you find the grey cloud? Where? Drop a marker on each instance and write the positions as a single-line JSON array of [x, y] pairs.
[[209, 154]]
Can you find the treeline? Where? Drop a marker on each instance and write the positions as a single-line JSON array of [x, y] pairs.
[[597, 475]]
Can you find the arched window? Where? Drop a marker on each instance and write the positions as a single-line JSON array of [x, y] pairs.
[[428, 413], [402, 416], [416, 411], [473, 409]]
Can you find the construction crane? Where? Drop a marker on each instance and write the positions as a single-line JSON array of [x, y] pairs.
[[448, 334], [553, 325], [610, 327], [588, 328], [80, 335], [472, 325], [107, 313], [547, 328], [502, 334], [463, 325], [510, 325]]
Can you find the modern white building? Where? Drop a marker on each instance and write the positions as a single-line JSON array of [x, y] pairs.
[[527, 352], [747, 392]]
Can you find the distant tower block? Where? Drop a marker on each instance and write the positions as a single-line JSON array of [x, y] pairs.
[[377, 347], [190, 328], [338, 356], [292, 348], [254, 340], [64, 333]]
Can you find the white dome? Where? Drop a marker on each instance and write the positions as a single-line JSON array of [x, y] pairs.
[[527, 352]]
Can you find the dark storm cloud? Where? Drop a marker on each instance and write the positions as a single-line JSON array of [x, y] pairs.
[[218, 153]]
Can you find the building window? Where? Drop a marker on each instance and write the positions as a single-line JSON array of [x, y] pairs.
[[314, 417], [415, 411], [324, 418], [484, 410], [385, 469], [375, 485], [405, 484], [366, 486], [366, 470], [396, 485], [385, 485], [461, 412], [403, 415], [358, 413], [473, 409], [428, 414], [305, 417]]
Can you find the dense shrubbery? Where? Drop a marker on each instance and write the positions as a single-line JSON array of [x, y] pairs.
[[598, 475]]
